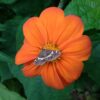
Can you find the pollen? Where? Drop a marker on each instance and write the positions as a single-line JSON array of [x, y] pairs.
[[50, 46]]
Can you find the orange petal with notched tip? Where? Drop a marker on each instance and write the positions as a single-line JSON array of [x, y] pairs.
[[51, 18], [69, 69], [54, 78], [79, 48], [51, 77], [30, 69], [34, 32], [63, 73], [72, 28], [26, 53]]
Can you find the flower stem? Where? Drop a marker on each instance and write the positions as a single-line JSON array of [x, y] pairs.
[[61, 4]]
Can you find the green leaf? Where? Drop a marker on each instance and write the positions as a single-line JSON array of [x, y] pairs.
[[29, 7], [2, 27], [88, 10], [92, 67], [7, 1], [5, 94], [4, 70], [9, 46], [32, 7], [19, 34], [5, 73], [4, 57], [2, 40], [6, 13], [14, 85]]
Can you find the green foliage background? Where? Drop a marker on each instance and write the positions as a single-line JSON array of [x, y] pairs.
[[13, 85]]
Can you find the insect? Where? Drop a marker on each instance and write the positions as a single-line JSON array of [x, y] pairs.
[[46, 55]]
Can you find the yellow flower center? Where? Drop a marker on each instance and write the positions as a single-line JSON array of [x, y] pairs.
[[49, 53], [50, 46]]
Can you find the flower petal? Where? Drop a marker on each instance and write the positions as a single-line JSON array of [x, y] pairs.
[[72, 28], [51, 18], [30, 69], [80, 48], [54, 78], [26, 53], [44, 75], [62, 71], [69, 69], [34, 32], [51, 77]]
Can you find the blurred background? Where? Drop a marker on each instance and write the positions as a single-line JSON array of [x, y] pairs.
[[13, 85]]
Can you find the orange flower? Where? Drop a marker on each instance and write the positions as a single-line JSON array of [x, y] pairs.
[[54, 48]]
